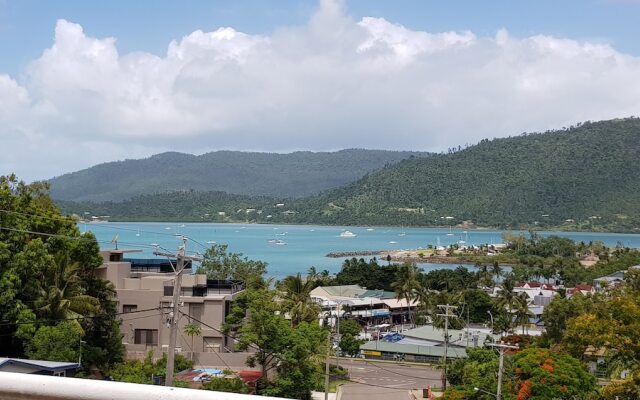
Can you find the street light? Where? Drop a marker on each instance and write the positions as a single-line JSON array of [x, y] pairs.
[[491, 315], [485, 391]]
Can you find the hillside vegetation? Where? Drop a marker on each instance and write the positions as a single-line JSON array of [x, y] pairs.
[[257, 174], [584, 178]]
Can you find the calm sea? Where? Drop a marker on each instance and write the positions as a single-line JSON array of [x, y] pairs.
[[306, 245]]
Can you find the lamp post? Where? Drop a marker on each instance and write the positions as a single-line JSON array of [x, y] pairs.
[[491, 315], [80, 352], [485, 391]]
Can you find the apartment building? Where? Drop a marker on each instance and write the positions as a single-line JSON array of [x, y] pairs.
[[144, 290]]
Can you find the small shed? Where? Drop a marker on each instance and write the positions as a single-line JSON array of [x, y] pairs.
[[38, 367]]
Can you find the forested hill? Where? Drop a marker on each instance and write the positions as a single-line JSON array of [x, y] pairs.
[[584, 178], [257, 174], [589, 174]]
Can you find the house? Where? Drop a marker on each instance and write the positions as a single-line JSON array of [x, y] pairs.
[[371, 306], [612, 280], [38, 367], [582, 289], [144, 289]]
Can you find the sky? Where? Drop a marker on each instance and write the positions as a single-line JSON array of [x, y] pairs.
[[83, 83]]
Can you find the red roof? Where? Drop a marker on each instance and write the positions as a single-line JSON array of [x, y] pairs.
[[534, 284]]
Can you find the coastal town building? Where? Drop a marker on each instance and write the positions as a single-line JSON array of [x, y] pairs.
[[612, 280], [370, 307], [144, 289]]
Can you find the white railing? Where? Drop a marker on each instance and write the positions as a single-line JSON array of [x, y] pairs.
[[17, 386]]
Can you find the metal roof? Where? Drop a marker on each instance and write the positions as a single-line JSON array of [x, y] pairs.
[[48, 365], [433, 351]]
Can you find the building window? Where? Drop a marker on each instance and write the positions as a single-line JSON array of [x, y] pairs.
[[168, 290], [128, 308], [195, 312], [211, 344], [146, 336]]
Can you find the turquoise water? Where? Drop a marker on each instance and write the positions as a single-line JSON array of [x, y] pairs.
[[306, 245]]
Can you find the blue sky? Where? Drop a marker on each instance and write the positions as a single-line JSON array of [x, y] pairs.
[[26, 26], [85, 82]]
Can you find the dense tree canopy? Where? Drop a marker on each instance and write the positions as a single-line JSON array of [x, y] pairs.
[[48, 284]]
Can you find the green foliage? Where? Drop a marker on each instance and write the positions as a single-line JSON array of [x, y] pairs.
[[571, 174], [47, 277], [232, 385], [295, 293], [56, 343], [350, 327], [292, 350], [449, 280], [220, 264], [367, 274], [350, 345], [137, 371], [257, 174], [479, 369]]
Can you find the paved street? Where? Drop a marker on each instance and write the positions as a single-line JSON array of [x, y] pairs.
[[392, 381]]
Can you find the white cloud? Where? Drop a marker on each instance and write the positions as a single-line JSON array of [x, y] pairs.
[[331, 84]]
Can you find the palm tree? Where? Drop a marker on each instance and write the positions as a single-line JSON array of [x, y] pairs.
[[61, 293], [496, 270], [192, 330], [506, 295], [295, 292], [406, 285], [521, 312], [423, 297]]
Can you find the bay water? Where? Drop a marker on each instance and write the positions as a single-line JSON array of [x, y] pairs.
[[303, 246]]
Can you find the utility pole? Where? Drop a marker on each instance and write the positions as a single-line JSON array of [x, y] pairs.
[[446, 315], [326, 367], [177, 286], [501, 348]]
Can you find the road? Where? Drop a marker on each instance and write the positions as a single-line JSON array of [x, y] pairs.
[[386, 381]]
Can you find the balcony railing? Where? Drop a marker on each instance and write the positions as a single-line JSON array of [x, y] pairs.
[[17, 386]]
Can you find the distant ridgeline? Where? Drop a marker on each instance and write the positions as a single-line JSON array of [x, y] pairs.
[[296, 174], [581, 178]]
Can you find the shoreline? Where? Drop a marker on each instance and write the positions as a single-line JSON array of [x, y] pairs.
[[403, 256]]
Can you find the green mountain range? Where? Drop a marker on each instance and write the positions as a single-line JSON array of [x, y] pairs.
[[296, 174], [583, 177]]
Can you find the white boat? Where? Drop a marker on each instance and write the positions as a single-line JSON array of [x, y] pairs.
[[370, 229], [211, 242], [393, 242], [280, 242], [402, 233], [347, 234]]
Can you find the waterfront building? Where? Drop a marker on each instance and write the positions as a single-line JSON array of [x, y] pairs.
[[144, 289]]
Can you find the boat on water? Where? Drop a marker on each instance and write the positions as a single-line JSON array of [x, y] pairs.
[[280, 242], [392, 242], [211, 242], [402, 233], [370, 229], [347, 234]]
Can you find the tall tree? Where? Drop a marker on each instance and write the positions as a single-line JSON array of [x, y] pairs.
[[406, 284], [295, 292]]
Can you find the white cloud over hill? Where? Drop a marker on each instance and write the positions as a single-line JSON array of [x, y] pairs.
[[334, 83]]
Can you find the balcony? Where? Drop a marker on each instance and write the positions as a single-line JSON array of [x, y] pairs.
[[157, 265], [39, 387]]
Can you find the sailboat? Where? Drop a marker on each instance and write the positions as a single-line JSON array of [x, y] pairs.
[[450, 233], [402, 233]]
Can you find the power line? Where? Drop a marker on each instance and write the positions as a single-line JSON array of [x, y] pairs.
[[76, 238], [71, 219], [257, 348], [80, 318]]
